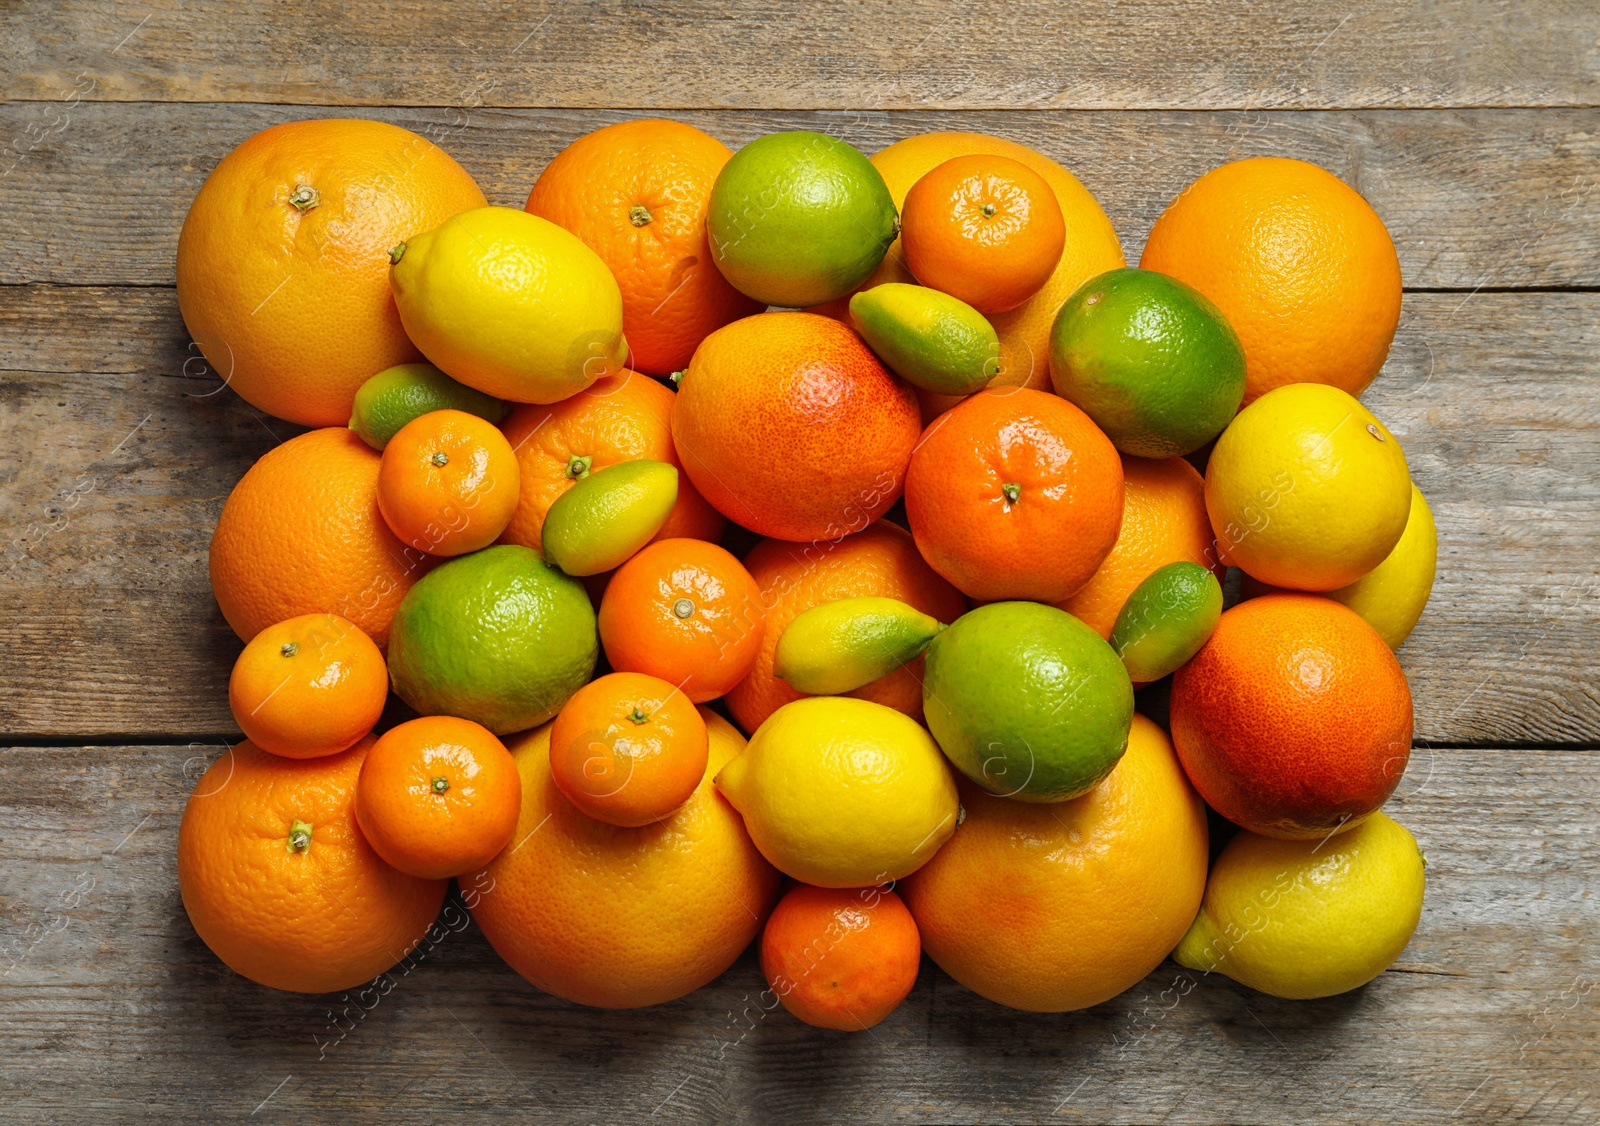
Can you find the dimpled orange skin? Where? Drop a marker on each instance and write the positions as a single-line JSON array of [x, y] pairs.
[[433, 833], [1091, 248], [327, 918], [620, 918], [628, 749], [840, 958], [706, 650], [1060, 906], [880, 560], [292, 307], [455, 507], [985, 229], [1300, 264], [1294, 720], [301, 533], [1046, 543], [308, 687], [622, 417], [1163, 521], [790, 426], [672, 294]]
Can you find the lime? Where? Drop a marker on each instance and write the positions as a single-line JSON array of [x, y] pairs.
[[930, 339], [1304, 919], [842, 793], [1148, 358], [1027, 701], [510, 304], [1306, 489], [396, 395], [1166, 620], [799, 218], [608, 515], [498, 637], [840, 645]]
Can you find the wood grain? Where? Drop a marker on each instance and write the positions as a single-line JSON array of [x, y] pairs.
[[109, 626], [910, 54], [1472, 198], [115, 1010]]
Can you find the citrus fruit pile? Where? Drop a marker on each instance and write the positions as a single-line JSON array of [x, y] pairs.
[[769, 545]]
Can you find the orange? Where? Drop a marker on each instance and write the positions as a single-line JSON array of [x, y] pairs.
[[1015, 494], [1062, 905], [841, 958], [985, 229], [1091, 248], [301, 533], [617, 917], [1298, 262], [879, 560], [620, 417], [308, 687], [1294, 719], [280, 883], [1163, 521], [438, 797], [637, 192], [448, 483], [628, 749], [283, 261], [791, 427], [686, 611]]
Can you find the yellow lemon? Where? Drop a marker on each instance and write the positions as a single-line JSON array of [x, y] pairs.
[[839, 792], [1303, 919], [1391, 595], [510, 304], [1306, 489]]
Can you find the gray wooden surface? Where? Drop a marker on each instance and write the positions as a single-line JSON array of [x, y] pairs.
[[1472, 127]]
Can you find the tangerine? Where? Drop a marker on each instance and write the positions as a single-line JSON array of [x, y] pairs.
[[448, 483], [308, 687]]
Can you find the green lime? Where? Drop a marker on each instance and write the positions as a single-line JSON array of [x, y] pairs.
[[396, 395], [1153, 362], [499, 637], [1027, 701], [1166, 620], [930, 339], [608, 515], [839, 646], [799, 218]]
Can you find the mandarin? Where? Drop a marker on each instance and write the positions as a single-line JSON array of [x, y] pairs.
[[636, 192], [1294, 720], [283, 260], [1015, 494], [620, 417], [448, 483], [308, 687], [301, 533], [790, 426], [279, 881], [686, 611], [1300, 264], [879, 560]]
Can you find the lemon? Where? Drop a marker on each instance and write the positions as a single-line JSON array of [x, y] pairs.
[[1306, 489], [1391, 596], [1304, 919], [608, 515], [842, 793], [840, 645], [510, 304]]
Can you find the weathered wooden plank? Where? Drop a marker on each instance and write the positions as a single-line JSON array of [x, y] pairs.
[[108, 623], [1472, 197], [907, 54], [115, 1010]]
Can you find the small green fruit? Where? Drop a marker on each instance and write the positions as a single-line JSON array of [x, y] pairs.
[[839, 646], [608, 515], [930, 339], [1166, 620]]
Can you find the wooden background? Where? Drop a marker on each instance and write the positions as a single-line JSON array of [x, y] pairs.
[[1472, 127]]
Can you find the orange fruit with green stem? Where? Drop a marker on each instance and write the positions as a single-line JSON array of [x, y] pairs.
[[449, 483], [308, 687]]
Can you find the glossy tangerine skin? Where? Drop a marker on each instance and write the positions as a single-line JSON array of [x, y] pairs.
[[1294, 720]]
